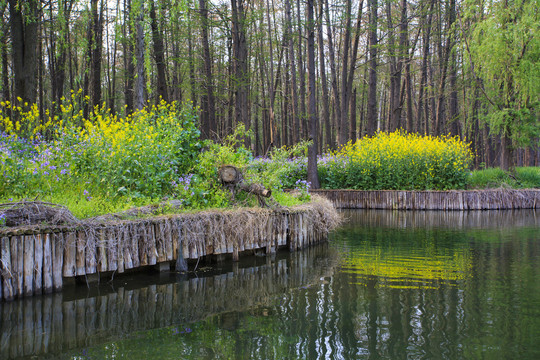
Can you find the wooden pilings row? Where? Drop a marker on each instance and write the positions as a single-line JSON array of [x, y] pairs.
[[50, 325], [36, 261], [491, 199]]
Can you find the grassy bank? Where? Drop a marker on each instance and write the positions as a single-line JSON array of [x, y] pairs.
[[107, 163], [524, 178]]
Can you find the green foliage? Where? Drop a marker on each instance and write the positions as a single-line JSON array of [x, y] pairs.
[[525, 178], [207, 190], [283, 168], [504, 51], [286, 199], [102, 164], [384, 162]]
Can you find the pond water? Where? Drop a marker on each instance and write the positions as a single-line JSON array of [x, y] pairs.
[[388, 285]]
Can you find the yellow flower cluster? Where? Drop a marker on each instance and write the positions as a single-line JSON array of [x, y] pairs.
[[407, 161], [19, 119]]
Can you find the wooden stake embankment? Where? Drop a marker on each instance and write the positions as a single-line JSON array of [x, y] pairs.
[[36, 260], [45, 326], [492, 199]]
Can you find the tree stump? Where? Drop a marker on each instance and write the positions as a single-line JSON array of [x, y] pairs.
[[232, 178]]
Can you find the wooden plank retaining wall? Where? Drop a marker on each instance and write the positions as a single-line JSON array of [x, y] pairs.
[[46, 326], [36, 260], [496, 199]]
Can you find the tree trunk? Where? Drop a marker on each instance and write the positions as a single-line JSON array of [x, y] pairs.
[[333, 67], [423, 76], [159, 55], [453, 101], [209, 112], [313, 176], [24, 20], [128, 56], [139, 54], [58, 54], [352, 127], [440, 122], [507, 151], [344, 121], [324, 82], [301, 71], [240, 60], [4, 47], [350, 76], [372, 95], [191, 64], [290, 40], [95, 51]]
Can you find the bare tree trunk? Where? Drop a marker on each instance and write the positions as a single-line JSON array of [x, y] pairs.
[[301, 71], [24, 38], [139, 55], [209, 112], [349, 77], [344, 121], [324, 82], [95, 51], [290, 40], [127, 30], [159, 55], [112, 94], [191, 63], [395, 74], [372, 95], [424, 70], [240, 60], [440, 120], [453, 101], [352, 127], [285, 104], [58, 54], [333, 67], [3, 46], [313, 176], [40, 79]]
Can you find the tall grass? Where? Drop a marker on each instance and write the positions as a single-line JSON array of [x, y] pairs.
[[524, 178]]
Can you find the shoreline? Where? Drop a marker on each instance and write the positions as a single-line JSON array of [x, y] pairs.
[[39, 259], [450, 200]]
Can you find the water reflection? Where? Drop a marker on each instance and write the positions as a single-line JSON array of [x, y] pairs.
[[390, 285], [50, 325]]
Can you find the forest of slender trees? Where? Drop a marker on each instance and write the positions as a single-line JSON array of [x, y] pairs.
[[325, 70]]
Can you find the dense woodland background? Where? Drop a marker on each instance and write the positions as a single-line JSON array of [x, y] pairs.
[[327, 70]]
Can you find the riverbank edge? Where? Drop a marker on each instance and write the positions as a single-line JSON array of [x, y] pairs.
[[38, 259], [488, 199]]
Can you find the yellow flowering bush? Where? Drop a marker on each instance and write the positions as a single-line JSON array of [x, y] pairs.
[[139, 156], [391, 161]]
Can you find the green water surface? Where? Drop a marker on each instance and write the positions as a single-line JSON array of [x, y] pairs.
[[388, 285]]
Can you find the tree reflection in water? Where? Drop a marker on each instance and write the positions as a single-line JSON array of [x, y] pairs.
[[394, 285]]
